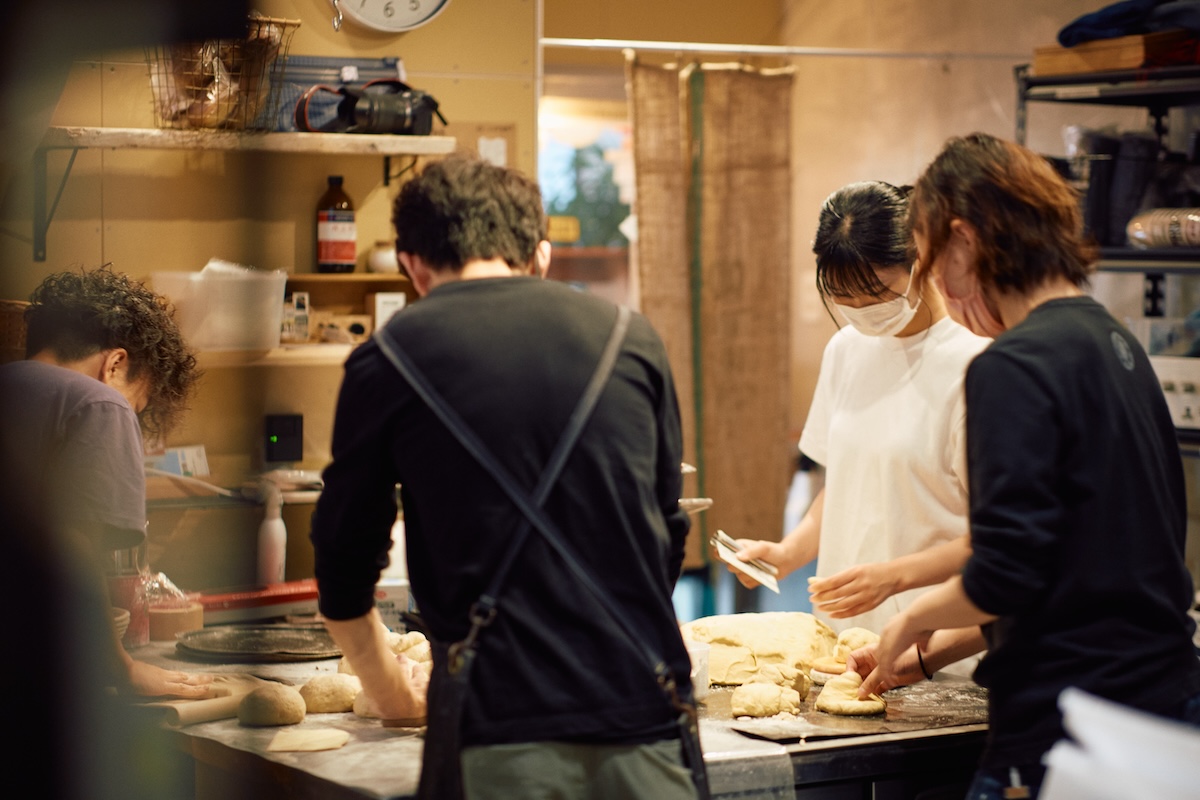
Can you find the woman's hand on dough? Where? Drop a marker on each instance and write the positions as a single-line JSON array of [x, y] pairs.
[[895, 657], [852, 591], [770, 552], [148, 680]]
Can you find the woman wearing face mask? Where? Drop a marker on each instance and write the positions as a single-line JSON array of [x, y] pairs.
[[1078, 511], [886, 422]]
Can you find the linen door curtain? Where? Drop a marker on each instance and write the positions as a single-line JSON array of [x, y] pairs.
[[712, 157]]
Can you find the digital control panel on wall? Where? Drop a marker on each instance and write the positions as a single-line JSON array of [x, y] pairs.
[[387, 16]]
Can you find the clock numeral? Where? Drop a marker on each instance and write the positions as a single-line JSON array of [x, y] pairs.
[[414, 5], [388, 11]]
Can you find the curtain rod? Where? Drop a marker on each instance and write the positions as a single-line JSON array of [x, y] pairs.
[[765, 50]]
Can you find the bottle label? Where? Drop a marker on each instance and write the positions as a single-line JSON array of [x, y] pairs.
[[337, 237]]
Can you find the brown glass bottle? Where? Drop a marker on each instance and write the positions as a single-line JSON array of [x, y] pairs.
[[337, 239]]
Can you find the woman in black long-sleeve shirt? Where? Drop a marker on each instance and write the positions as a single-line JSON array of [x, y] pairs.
[[1077, 500]]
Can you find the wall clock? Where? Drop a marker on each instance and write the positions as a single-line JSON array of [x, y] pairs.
[[388, 16]]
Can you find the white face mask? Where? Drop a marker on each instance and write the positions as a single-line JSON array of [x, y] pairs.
[[885, 318]]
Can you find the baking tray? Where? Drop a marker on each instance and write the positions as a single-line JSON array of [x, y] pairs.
[[259, 643], [942, 703]]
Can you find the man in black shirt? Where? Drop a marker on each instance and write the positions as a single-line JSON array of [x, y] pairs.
[[556, 686]]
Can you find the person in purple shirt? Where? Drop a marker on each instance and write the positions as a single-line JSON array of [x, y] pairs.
[[106, 365]]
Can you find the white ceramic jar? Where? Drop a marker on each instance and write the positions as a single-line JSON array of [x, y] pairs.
[[382, 257]]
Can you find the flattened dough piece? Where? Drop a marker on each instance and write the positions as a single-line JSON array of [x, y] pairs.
[[330, 694], [308, 740], [741, 644], [764, 700], [273, 704], [840, 696]]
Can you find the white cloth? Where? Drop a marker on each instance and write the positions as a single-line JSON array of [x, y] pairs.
[[888, 424]]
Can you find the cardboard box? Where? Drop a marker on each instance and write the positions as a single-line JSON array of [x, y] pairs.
[[384, 304], [276, 600], [393, 599], [1122, 52]]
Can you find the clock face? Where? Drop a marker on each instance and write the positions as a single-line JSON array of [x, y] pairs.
[[391, 16]]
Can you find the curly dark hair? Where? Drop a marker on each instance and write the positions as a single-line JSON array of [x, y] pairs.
[[78, 314], [462, 208]]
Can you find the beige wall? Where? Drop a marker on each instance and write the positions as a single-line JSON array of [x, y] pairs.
[[167, 210], [884, 118]]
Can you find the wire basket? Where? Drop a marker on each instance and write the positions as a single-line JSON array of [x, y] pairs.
[[12, 330], [227, 84]]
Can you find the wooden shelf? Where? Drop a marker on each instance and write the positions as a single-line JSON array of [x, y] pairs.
[[311, 143], [341, 144], [356, 278], [315, 354]]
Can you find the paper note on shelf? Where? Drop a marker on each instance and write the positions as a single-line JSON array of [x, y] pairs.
[[760, 571]]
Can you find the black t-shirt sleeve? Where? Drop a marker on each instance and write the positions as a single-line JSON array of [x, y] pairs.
[[1013, 453]]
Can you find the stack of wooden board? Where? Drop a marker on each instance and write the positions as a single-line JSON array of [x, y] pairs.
[[1123, 52]]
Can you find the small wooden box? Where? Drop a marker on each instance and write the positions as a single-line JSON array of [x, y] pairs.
[[1123, 52]]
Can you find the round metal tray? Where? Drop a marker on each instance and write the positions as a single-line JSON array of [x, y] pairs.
[[259, 643]]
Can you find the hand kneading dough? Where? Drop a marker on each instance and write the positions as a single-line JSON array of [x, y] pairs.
[[333, 693], [848, 641], [840, 696], [764, 700], [274, 704], [742, 644]]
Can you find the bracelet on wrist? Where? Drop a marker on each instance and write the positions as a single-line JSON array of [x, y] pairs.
[[924, 670]]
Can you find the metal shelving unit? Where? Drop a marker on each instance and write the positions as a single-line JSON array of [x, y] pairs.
[[1158, 90]]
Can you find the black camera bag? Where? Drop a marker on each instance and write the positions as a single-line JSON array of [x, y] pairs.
[[378, 106]]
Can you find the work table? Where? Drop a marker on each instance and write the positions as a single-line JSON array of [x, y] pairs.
[[380, 763]]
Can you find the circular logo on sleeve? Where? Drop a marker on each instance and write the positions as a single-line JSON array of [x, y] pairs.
[[1123, 350]]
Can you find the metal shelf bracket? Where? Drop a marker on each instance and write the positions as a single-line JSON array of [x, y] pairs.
[[41, 215]]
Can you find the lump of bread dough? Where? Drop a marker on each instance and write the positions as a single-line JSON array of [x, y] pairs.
[[330, 694], [852, 639], [742, 644], [840, 696], [412, 645], [826, 668], [363, 707], [764, 700], [783, 675], [273, 704]]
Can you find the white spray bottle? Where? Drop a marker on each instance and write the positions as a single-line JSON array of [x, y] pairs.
[[272, 536]]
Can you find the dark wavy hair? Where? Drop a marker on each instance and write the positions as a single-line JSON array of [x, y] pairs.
[[78, 314], [1027, 217], [862, 226], [462, 208]]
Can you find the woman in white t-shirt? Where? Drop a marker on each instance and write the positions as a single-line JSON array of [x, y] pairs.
[[887, 422]]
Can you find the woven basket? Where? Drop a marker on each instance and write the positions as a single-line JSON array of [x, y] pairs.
[[12, 330]]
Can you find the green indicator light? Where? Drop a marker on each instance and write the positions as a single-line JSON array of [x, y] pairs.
[[274, 439]]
